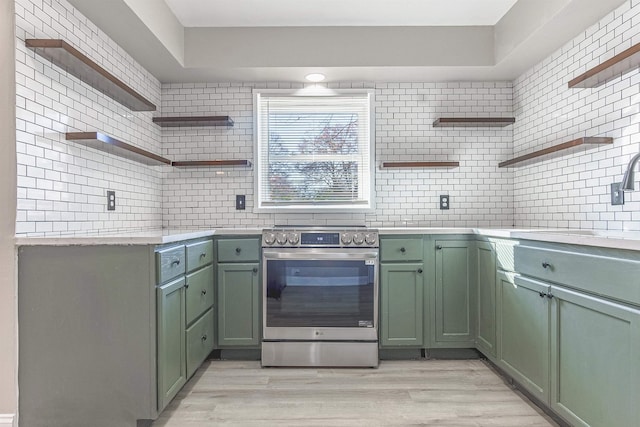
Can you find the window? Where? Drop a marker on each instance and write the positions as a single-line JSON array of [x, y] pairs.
[[314, 152]]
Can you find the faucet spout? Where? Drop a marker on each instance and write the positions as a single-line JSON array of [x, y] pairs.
[[628, 180]]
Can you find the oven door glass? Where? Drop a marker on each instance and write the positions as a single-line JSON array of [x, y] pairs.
[[333, 293]]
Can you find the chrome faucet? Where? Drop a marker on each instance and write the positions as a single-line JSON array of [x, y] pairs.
[[627, 181]]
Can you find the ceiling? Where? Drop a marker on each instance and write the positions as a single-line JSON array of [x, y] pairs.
[[347, 40], [296, 13]]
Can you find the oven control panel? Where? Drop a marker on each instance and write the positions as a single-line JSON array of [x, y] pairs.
[[284, 237]]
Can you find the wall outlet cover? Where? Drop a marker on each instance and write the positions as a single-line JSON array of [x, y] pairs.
[[111, 200], [617, 195], [444, 201]]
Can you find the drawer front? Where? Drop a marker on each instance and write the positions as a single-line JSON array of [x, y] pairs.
[[599, 274], [199, 254], [238, 250], [170, 263], [409, 249], [199, 342], [199, 293]]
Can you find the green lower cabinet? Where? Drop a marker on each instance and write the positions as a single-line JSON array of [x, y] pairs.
[[454, 294], [238, 305], [486, 289], [172, 367], [401, 304], [523, 332], [200, 341], [595, 360]]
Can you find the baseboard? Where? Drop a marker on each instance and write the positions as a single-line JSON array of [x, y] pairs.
[[7, 420]]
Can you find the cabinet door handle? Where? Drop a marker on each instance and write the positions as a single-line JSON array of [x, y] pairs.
[[403, 250], [175, 262], [255, 269], [238, 250], [204, 292], [186, 286], [419, 271], [542, 294], [546, 265], [203, 254], [438, 247], [204, 337], [549, 295]]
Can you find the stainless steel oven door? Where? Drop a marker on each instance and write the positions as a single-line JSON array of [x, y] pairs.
[[320, 294]]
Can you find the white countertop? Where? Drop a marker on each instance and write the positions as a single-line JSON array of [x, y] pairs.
[[601, 238]]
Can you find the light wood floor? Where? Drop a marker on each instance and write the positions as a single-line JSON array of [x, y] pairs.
[[398, 393]]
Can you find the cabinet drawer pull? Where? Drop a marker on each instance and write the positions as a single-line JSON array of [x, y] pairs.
[[419, 271], [255, 269], [542, 294], [203, 254], [238, 250], [403, 250], [549, 295], [186, 286], [204, 292], [546, 265], [438, 247], [204, 337], [175, 263]]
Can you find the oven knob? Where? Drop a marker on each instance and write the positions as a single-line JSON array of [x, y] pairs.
[[346, 238], [358, 239], [281, 238], [370, 238], [269, 238], [293, 238]]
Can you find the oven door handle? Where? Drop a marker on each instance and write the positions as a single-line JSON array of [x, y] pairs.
[[320, 254]]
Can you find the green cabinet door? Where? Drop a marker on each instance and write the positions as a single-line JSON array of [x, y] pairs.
[[523, 332], [238, 305], [454, 294], [486, 288], [401, 304], [595, 360], [172, 365]]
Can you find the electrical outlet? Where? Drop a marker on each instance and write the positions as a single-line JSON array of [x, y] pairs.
[[617, 195], [111, 200], [444, 201], [240, 202]]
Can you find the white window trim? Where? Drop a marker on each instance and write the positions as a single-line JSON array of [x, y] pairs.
[[313, 208]]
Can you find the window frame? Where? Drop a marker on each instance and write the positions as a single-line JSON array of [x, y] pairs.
[[339, 207]]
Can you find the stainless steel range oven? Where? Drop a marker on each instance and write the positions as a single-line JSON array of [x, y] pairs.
[[320, 305]]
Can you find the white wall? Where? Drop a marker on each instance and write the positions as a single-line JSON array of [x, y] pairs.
[[61, 185], [8, 290], [573, 190], [480, 193]]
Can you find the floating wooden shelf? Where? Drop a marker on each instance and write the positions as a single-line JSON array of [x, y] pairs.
[[210, 163], [386, 165], [473, 122], [192, 121], [623, 62], [111, 145], [560, 149], [76, 63]]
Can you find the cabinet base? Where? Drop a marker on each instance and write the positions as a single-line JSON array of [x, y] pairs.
[[320, 354]]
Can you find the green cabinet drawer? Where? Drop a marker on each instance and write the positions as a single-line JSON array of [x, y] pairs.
[[402, 249], [238, 250], [199, 342], [600, 274], [199, 293], [199, 254], [170, 263]]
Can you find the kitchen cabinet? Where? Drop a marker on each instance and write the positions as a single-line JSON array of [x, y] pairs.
[[172, 365], [486, 307], [402, 283], [523, 332], [454, 294], [238, 292], [595, 360]]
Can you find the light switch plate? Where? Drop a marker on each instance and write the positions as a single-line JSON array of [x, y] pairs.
[[617, 195], [240, 202], [444, 201]]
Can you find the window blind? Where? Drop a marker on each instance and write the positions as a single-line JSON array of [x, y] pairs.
[[314, 151]]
